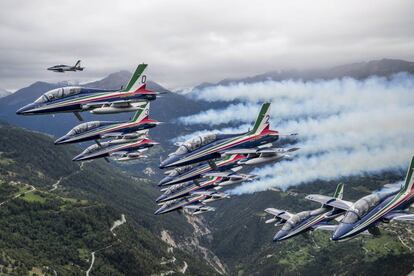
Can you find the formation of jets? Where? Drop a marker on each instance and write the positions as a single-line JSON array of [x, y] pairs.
[[354, 218], [61, 68], [128, 140], [203, 165]]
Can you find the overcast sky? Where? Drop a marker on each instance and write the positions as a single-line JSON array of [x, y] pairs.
[[189, 42]]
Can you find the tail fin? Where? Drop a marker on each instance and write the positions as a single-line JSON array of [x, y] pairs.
[[137, 80], [339, 192], [77, 65], [141, 114], [262, 121], [409, 179]]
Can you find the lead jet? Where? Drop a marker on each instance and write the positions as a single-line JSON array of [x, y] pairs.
[[99, 101], [108, 129], [295, 224], [195, 203], [181, 175], [61, 68], [212, 182], [211, 146], [114, 148], [383, 206]]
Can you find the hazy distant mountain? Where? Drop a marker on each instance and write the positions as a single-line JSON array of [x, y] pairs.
[[4, 93], [360, 70], [166, 109]]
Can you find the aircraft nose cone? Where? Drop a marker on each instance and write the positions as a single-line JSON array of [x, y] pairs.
[[164, 181], [279, 236], [340, 231], [159, 211], [60, 140], [161, 197], [24, 110], [78, 157], [167, 162]]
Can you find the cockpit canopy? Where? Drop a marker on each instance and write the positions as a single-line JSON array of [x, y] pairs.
[[195, 143], [299, 217], [58, 93], [180, 170], [362, 206], [175, 188], [84, 127], [96, 147]]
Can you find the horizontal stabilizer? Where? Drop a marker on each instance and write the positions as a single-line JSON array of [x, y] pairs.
[[279, 213], [330, 201]]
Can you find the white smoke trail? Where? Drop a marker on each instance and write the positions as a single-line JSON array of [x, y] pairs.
[[328, 166], [292, 99], [346, 127]]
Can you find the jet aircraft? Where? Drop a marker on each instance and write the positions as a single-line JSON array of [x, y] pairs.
[[106, 129], [211, 146], [180, 175], [99, 101], [114, 148], [61, 68], [196, 202], [212, 182], [295, 224], [382, 206]]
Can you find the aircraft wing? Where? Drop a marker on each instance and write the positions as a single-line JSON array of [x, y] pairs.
[[119, 153], [120, 104], [285, 215], [228, 173], [325, 227], [238, 176], [111, 135], [202, 193], [259, 151], [219, 174], [405, 218], [193, 206], [400, 217], [330, 201]]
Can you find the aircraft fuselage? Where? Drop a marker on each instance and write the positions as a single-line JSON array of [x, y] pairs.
[[83, 101]]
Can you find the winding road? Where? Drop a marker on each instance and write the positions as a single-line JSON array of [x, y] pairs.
[[32, 189], [116, 224], [55, 185]]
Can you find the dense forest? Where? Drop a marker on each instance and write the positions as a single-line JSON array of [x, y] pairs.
[[55, 213]]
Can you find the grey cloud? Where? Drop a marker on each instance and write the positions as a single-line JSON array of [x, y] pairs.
[[188, 42]]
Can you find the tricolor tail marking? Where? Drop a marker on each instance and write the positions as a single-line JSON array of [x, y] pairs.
[[262, 121], [339, 192], [409, 181], [137, 80], [141, 114]]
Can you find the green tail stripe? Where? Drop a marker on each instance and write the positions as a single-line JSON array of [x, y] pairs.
[[139, 112], [136, 115], [135, 76], [261, 116], [409, 175], [339, 190]]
